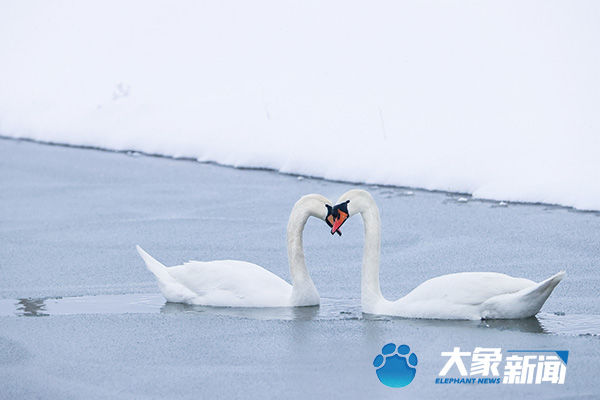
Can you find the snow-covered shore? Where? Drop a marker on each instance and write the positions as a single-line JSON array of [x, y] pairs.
[[498, 100]]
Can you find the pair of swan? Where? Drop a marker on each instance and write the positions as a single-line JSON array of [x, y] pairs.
[[467, 295]]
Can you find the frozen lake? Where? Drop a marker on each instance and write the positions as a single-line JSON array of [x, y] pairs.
[[81, 317]]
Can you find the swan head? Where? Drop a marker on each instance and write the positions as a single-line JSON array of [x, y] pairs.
[[350, 203], [314, 205]]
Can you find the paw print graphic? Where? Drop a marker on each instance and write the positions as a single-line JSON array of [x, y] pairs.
[[395, 365]]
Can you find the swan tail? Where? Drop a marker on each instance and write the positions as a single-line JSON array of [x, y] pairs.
[[169, 286], [524, 303], [152, 264]]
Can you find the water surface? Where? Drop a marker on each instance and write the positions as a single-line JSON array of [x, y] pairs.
[[81, 317]]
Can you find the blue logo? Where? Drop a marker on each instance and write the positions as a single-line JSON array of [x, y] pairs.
[[395, 365]]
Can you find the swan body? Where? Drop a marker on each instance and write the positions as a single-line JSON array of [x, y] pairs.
[[230, 283], [471, 295], [466, 295]]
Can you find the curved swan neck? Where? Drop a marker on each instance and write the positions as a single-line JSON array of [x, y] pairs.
[[304, 291], [370, 288], [361, 202], [295, 246]]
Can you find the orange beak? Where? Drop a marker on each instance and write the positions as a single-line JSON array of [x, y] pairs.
[[330, 220], [339, 221]]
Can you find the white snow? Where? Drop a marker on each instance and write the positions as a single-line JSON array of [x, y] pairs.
[[497, 99]]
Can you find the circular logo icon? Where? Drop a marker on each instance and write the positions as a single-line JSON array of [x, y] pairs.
[[396, 365]]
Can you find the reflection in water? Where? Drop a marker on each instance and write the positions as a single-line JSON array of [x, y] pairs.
[[554, 324], [285, 313], [31, 307], [347, 309], [531, 325]]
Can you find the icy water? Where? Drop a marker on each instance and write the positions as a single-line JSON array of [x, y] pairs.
[[81, 317]]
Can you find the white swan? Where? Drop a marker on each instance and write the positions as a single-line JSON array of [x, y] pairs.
[[466, 295], [229, 283]]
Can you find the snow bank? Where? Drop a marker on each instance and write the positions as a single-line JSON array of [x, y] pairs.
[[497, 99]]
